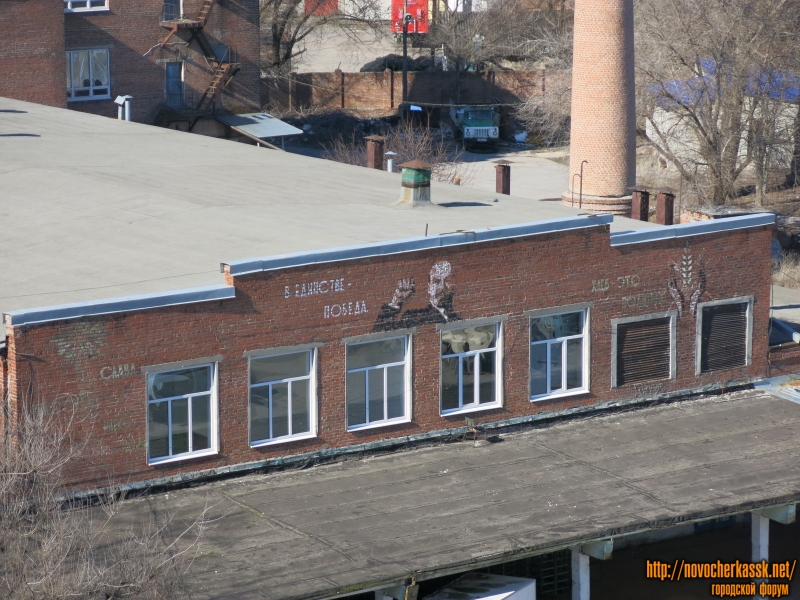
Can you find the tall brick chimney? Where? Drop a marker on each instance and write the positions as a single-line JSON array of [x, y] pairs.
[[603, 107]]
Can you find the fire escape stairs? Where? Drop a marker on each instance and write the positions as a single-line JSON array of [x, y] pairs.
[[224, 68]]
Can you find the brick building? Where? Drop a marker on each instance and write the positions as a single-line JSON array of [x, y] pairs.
[[354, 337], [179, 59]]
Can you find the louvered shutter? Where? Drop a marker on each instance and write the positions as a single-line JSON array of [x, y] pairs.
[[643, 351], [723, 344]]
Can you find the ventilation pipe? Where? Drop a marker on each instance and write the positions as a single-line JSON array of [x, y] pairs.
[[665, 204], [640, 205], [390, 160], [123, 107], [415, 185]]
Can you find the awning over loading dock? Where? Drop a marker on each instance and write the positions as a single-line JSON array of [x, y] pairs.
[[259, 125], [430, 511]]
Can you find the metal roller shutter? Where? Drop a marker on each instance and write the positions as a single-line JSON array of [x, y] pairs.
[[643, 351], [723, 344]]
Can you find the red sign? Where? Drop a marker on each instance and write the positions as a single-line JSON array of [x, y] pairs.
[[418, 9]]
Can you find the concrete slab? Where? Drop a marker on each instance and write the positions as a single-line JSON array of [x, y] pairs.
[[429, 511], [786, 304]]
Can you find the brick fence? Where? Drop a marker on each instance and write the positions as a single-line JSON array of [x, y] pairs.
[[382, 92]]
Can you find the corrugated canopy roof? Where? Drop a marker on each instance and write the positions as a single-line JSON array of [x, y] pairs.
[[260, 125]]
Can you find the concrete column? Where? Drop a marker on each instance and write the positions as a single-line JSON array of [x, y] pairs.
[[603, 105], [580, 575], [375, 151], [759, 537]]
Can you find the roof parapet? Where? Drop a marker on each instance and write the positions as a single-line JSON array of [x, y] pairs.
[[624, 238]]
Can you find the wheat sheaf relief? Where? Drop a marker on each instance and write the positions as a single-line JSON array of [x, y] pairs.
[[687, 282]]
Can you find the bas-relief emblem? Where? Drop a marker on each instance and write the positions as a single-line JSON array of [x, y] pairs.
[[687, 282], [439, 307]]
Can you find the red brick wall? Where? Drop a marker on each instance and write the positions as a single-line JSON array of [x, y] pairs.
[[496, 278], [32, 51], [131, 29], [383, 92]]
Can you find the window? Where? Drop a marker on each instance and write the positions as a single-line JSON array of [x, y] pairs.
[[378, 383], [643, 348], [87, 75], [282, 395], [469, 368], [558, 354], [724, 334], [73, 6], [180, 413]]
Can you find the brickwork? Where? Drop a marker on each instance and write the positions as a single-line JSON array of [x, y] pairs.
[[382, 92], [603, 106], [131, 32], [97, 361], [32, 51]]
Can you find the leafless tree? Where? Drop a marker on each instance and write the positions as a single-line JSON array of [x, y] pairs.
[[710, 87], [477, 34], [410, 141], [285, 24], [56, 546]]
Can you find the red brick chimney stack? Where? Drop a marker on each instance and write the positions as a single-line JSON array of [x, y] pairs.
[[603, 107]]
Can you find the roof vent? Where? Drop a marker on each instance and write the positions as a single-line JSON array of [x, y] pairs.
[[415, 185]]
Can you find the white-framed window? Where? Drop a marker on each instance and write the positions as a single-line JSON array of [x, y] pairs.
[[282, 397], [471, 368], [88, 75], [558, 354], [724, 334], [378, 382], [643, 348], [74, 6], [181, 413]]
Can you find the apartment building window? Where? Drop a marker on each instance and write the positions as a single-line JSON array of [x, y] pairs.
[[470, 368], [643, 348], [378, 382], [724, 334], [181, 409], [88, 75], [282, 392], [558, 354], [75, 6]]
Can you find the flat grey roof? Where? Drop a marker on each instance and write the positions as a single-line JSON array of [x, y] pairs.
[[260, 125], [425, 512], [94, 208]]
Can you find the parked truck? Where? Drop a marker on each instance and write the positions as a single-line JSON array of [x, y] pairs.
[[477, 126]]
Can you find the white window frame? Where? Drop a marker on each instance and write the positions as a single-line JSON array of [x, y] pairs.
[[91, 6], [475, 406], [213, 410], [585, 309], [90, 97], [406, 335], [699, 331], [312, 394], [673, 345]]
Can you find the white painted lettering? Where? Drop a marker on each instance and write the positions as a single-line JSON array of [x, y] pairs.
[[286, 293]]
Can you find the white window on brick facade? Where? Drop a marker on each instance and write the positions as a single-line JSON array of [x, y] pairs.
[[282, 398], [559, 354], [378, 383], [181, 413], [88, 75], [470, 374], [74, 6]]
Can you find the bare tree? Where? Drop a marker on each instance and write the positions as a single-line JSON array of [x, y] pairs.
[[706, 89], [54, 546], [285, 24], [409, 141], [482, 33]]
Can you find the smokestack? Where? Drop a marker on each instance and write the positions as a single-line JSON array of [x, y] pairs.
[[665, 204], [375, 151], [603, 106], [415, 185], [503, 177]]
